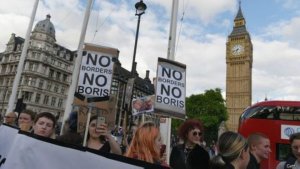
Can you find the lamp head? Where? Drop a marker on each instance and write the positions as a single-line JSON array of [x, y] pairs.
[[140, 8]]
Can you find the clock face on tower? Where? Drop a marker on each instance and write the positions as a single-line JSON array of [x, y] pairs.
[[237, 49]]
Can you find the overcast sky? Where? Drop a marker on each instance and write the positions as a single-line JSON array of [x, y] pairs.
[[203, 27]]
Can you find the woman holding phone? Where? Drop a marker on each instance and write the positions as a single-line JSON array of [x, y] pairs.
[[100, 139]]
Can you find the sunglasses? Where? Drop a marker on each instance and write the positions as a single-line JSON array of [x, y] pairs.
[[195, 133]]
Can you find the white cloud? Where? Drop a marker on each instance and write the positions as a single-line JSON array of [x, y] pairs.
[[275, 70], [287, 30]]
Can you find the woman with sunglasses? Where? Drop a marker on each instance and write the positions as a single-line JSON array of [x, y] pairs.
[[233, 152], [146, 143], [190, 154]]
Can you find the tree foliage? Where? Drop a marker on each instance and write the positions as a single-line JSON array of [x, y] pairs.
[[208, 107]]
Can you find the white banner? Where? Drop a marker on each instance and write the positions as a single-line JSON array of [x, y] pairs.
[[7, 135], [170, 88], [96, 73], [27, 151]]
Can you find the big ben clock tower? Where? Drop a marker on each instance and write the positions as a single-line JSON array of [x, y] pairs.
[[238, 70]]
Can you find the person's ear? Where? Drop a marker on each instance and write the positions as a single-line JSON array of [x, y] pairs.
[[244, 154], [252, 147]]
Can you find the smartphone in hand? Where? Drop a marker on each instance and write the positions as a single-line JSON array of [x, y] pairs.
[[100, 121], [162, 149]]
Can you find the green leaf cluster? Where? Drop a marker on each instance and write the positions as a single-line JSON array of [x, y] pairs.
[[208, 107]]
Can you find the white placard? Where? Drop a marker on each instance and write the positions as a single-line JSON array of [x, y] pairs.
[[96, 73], [170, 88]]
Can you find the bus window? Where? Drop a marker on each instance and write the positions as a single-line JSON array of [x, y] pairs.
[[272, 112], [282, 151]]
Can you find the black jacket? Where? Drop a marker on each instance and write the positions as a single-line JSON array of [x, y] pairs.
[[253, 164], [197, 158]]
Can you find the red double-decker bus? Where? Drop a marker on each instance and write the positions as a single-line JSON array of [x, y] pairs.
[[276, 119]]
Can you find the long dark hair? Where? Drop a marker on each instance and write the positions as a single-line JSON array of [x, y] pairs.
[[101, 137]]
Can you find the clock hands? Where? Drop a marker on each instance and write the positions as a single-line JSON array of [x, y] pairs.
[[237, 49]]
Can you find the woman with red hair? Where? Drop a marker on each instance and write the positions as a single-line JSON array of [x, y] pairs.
[[146, 144], [190, 154]]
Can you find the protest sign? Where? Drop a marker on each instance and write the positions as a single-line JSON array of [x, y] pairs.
[[170, 88], [96, 72], [94, 84]]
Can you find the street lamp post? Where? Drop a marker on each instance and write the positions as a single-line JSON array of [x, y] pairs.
[[140, 10]]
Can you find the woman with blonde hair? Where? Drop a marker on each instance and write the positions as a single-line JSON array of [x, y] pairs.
[[233, 152], [146, 144]]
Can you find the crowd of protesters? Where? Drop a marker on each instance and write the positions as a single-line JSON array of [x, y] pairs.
[[144, 142]]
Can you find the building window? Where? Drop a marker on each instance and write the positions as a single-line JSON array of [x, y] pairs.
[[31, 81], [33, 55], [37, 98], [7, 81], [58, 75], [27, 95], [11, 81], [51, 73], [43, 68], [11, 68], [53, 101], [49, 86], [3, 70], [31, 66], [60, 103], [114, 87], [15, 68], [56, 88], [35, 67], [1, 81], [41, 84], [62, 90], [25, 80], [46, 99], [65, 78]]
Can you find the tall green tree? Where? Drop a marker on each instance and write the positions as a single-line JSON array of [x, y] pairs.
[[208, 107]]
